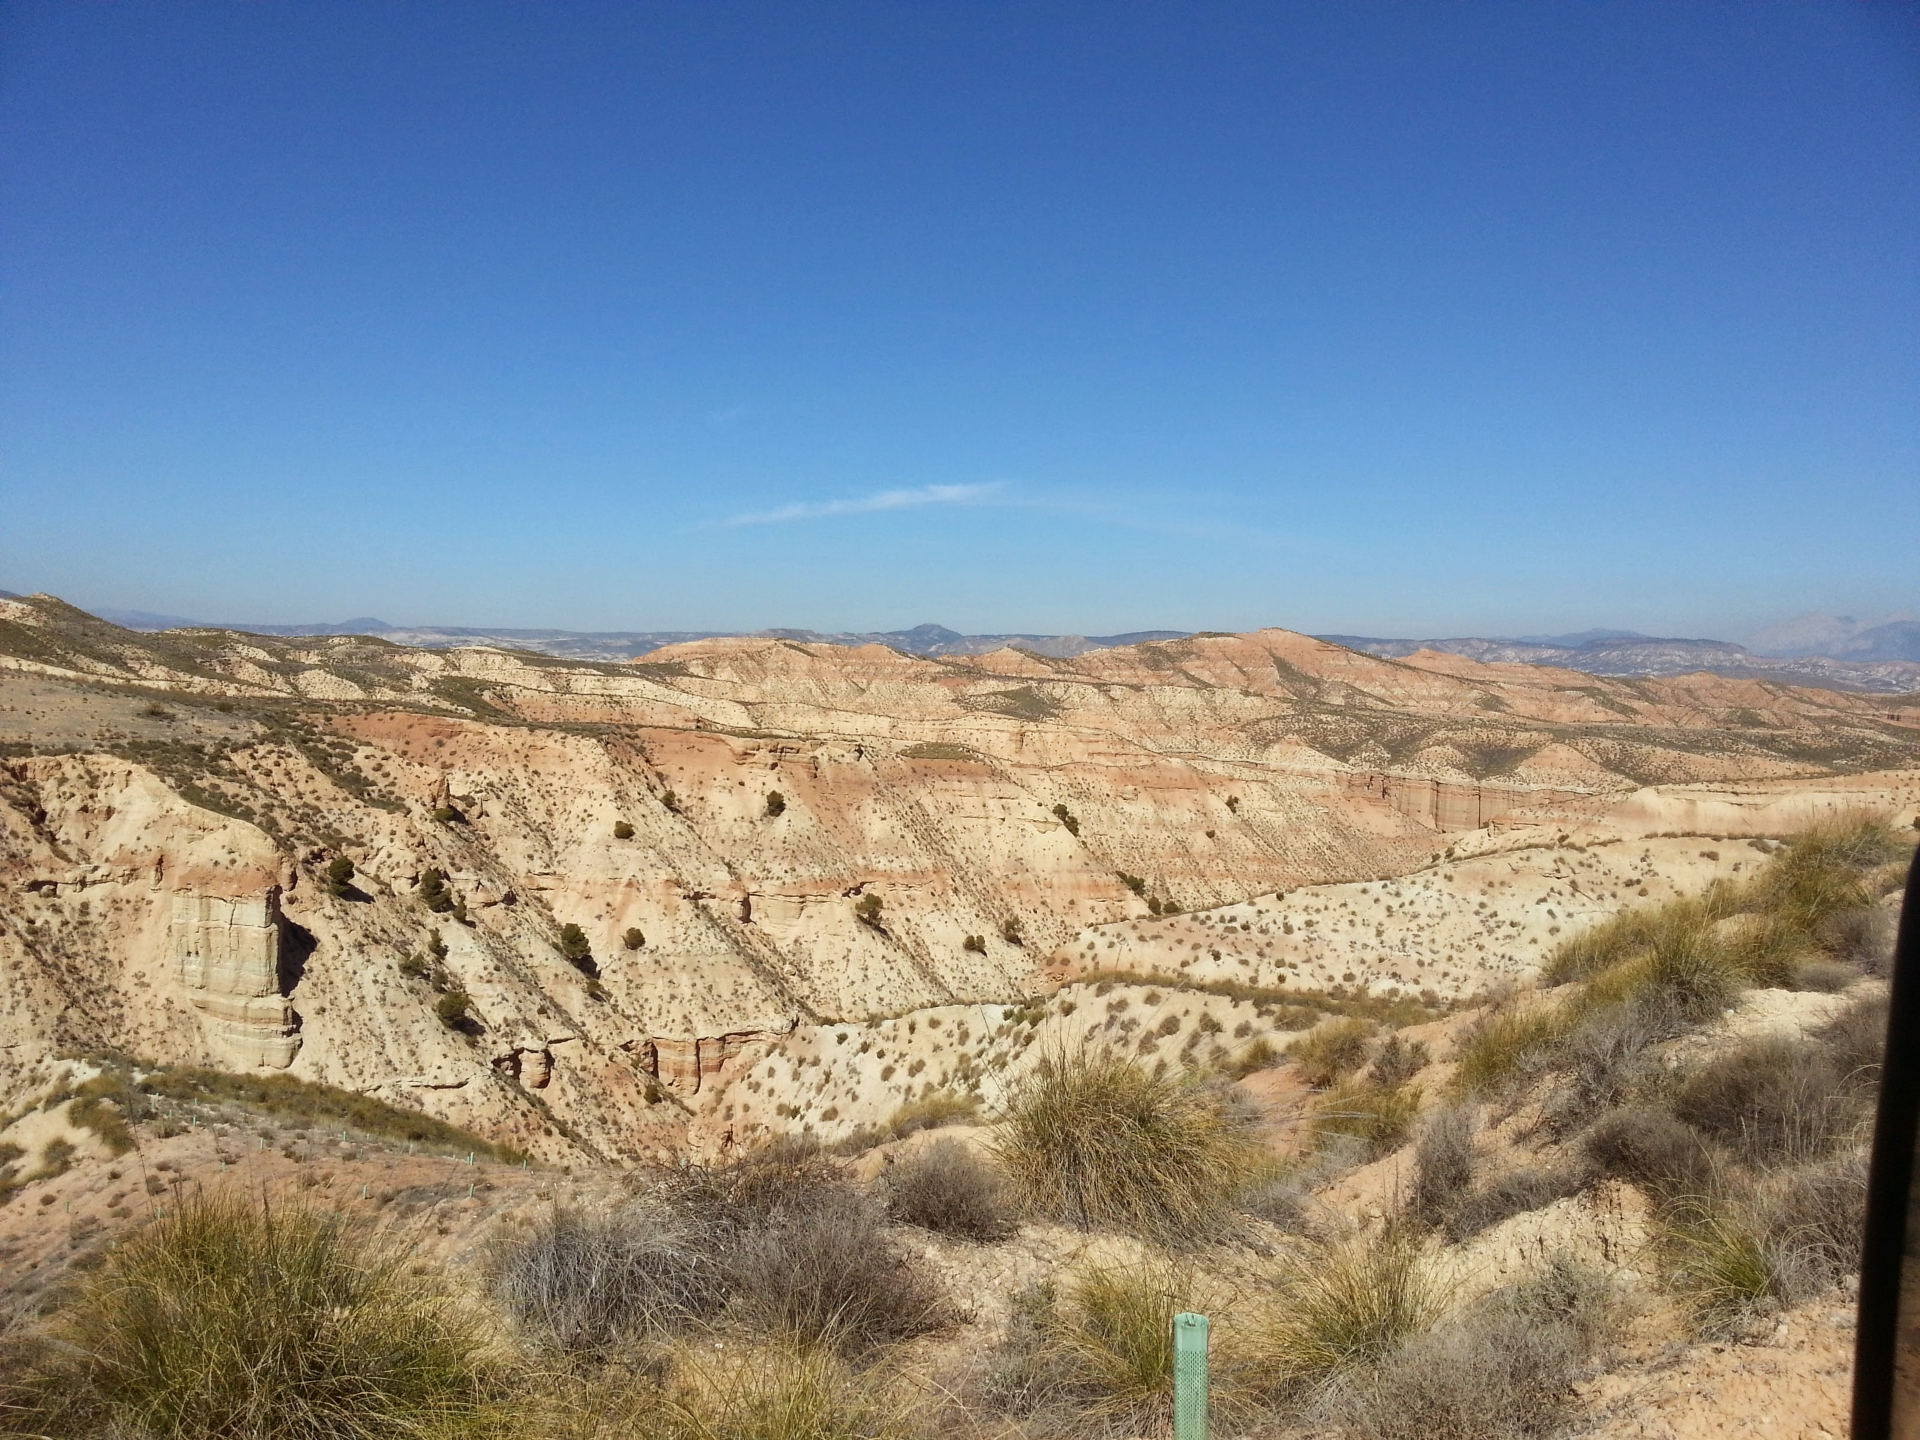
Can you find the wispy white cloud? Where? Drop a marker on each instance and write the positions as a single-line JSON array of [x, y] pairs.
[[871, 504]]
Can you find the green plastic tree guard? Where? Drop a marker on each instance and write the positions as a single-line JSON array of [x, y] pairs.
[[1190, 1377]]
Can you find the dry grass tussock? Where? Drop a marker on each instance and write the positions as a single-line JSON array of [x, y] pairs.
[[735, 1393], [1099, 1358], [1345, 1304], [1378, 1116], [1330, 1051], [257, 1323], [1093, 1139]]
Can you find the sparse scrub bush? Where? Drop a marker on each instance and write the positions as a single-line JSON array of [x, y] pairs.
[[948, 1189], [1503, 1370], [1860, 937], [1331, 1050], [1653, 1150], [1811, 1220], [257, 1323], [1397, 1061], [1095, 1140], [1258, 1055], [584, 1283], [1514, 1192], [1855, 1038], [830, 1274], [1774, 1100], [1443, 1163]]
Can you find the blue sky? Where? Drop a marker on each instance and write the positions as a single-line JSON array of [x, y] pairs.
[[1383, 318]]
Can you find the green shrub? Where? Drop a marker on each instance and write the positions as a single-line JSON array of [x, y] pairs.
[[776, 804], [867, 910], [574, 945], [225, 1318], [339, 875], [633, 939], [454, 1009], [1720, 1263], [623, 830], [433, 891], [977, 944], [1507, 1047], [1010, 931], [1094, 1140]]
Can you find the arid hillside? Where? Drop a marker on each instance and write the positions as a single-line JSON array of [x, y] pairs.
[[568, 904]]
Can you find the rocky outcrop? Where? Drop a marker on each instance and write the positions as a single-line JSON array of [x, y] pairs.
[[225, 952], [1448, 805]]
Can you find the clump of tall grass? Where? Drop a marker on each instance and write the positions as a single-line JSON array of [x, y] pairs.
[[1331, 1050], [1095, 1140], [931, 1111], [1345, 1304], [1719, 1262], [739, 1393], [1379, 1116], [258, 1323]]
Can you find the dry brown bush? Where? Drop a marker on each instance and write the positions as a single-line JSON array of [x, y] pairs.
[[1652, 1149], [948, 1189], [1776, 1100], [829, 1273], [1443, 1161], [1503, 1370], [1515, 1192]]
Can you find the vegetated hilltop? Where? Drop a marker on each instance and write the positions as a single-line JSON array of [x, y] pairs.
[[579, 907], [1623, 1202]]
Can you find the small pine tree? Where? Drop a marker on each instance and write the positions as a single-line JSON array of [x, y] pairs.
[[868, 908], [633, 939], [574, 945], [776, 804], [976, 943], [433, 891], [622, 830], [453, 1009], [1010, 931], [339, 875]]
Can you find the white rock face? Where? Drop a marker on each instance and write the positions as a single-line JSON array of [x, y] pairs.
[[226, 956]]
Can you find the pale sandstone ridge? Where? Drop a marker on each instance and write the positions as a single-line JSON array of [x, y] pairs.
[[226, 952], [169, 803]]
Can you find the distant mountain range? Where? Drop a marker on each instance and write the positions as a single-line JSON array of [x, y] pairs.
[[631, 644], [1830, 650], [1885, 657]]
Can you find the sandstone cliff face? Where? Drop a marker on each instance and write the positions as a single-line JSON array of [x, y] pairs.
[[225, 953], [163, 838]]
